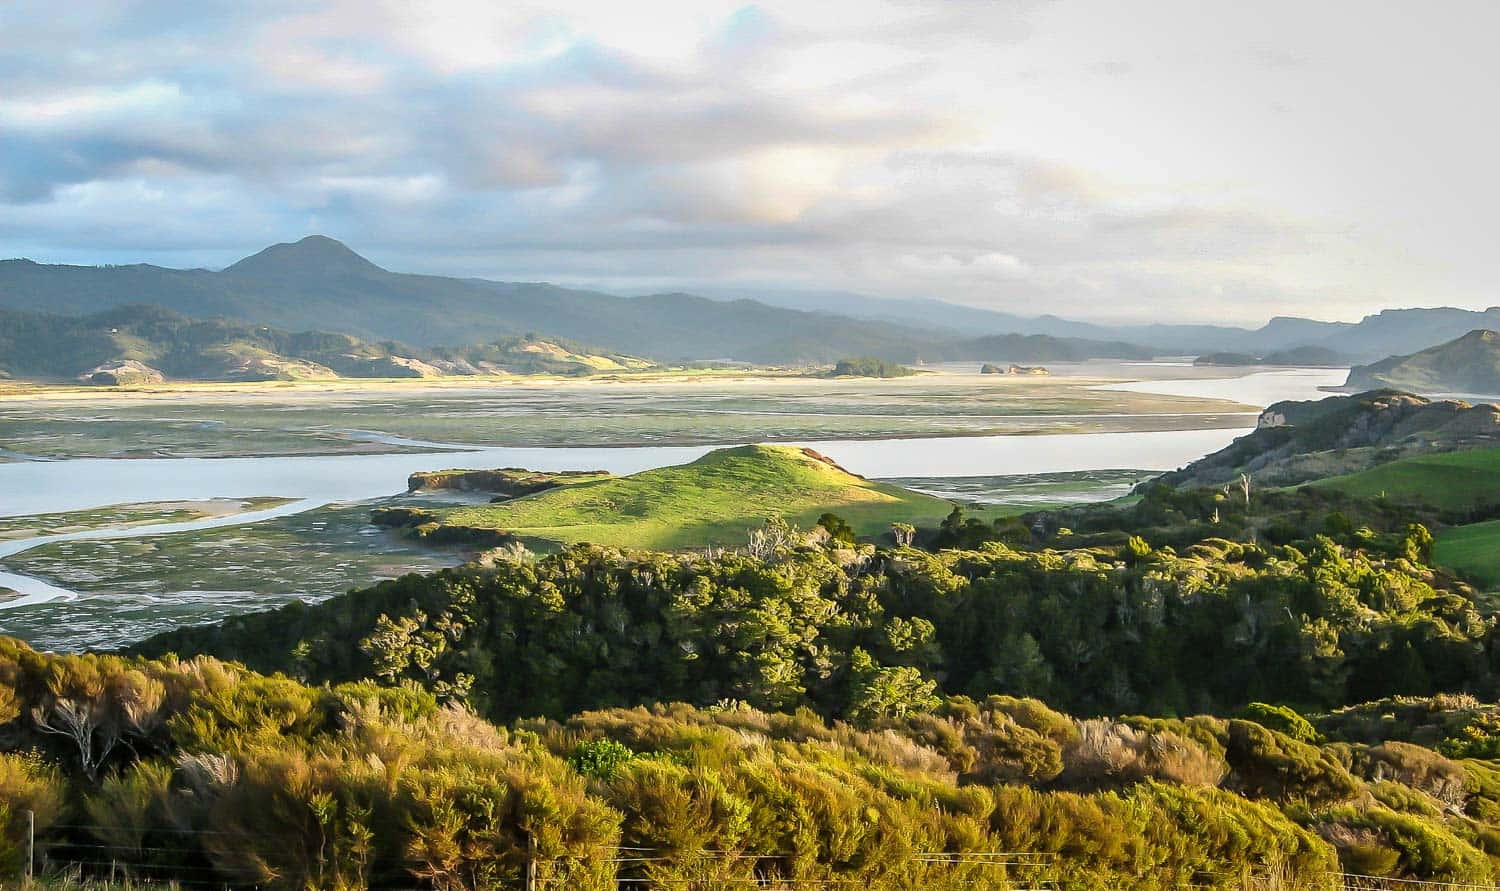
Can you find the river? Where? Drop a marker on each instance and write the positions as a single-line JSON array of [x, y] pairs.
[[36, 487]]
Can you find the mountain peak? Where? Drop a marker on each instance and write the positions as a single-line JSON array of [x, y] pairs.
[[314, 255]]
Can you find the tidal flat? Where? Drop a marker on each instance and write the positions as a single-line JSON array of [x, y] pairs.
[[125, 516], [706, 410], [130, 588]]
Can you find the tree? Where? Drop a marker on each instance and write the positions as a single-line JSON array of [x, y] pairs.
[[904, 533]]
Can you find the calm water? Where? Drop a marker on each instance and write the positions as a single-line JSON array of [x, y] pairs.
[[28, 488]]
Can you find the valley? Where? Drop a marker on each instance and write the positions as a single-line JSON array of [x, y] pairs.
[[316, 451]]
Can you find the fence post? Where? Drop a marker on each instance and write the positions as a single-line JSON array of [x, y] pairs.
[[530, 862], [30, 846]]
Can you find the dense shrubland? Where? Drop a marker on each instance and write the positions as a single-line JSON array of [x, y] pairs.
[[862, 634], [197, 767], [828, 712]]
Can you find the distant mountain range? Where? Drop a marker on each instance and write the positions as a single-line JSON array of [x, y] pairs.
[[320, 284], [1470, 364], [1375, 336]]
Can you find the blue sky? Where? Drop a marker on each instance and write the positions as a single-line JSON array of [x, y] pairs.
[[1166, 160]]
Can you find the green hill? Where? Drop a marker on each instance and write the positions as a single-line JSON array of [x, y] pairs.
[[1473, 550], [1451, 481], [1470, 364], [716, 500]]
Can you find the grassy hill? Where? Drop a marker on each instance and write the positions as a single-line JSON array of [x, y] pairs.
[[716, 500], [1451, 481], [140, 341], [1470, 364], [1461, 485], [1473, 550]]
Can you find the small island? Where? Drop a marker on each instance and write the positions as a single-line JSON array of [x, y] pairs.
[[869, 366], [991, 368]]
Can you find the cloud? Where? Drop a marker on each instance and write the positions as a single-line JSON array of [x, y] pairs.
[[981, 152]]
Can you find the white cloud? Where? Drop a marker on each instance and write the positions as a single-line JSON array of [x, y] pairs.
[[1194, 159]]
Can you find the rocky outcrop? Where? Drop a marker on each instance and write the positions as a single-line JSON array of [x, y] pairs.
[[989, 368], [507, 483], [1299, 441]]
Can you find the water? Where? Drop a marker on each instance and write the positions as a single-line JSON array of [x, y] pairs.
[[1262, 388], [29, 487]]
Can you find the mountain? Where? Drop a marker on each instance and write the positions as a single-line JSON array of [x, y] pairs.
[[143, 344], [1470, 364], [1382, 334], [1396, 331], [319, 283], [1299, 441]]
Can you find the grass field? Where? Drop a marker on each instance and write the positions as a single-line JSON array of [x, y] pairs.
[[716, 500], [1473, 550], [1451, 481]]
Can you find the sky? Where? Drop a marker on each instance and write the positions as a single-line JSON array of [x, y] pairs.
[[1170, 160]]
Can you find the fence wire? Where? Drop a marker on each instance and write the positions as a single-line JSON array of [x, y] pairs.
[[142, 866]]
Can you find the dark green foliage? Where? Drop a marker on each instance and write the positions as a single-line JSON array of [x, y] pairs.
[[838, 529], [1283, 719], [600, 759], [1268, 764], [869, 366], [1097, 630]]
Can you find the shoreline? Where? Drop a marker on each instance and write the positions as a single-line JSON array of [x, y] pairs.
[[22, 391]]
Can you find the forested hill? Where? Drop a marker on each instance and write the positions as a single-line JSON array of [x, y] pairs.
[[1470, 364], [143, 344], [319, 283], [1299, 441]]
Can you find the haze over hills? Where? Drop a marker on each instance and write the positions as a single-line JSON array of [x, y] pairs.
[[1375, 336], [318, 283]]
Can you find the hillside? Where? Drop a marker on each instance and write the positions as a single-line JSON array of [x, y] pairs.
[[139, 344], [1470, 364], [319, 283], [717, 500], [1302, 357], [925, 652], [1374, 336], [217, 776], [1451, 481], [1299, 441]]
